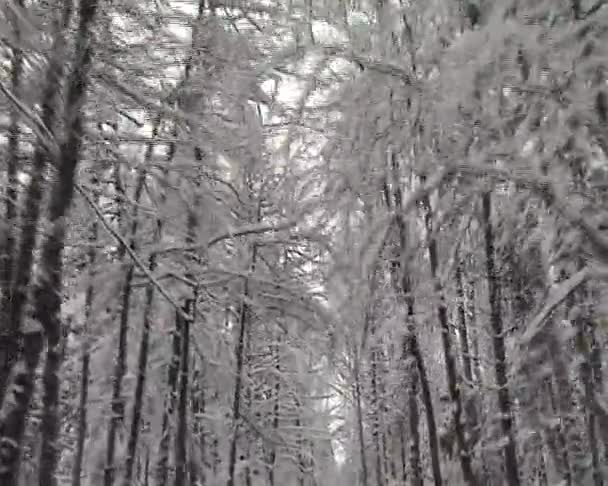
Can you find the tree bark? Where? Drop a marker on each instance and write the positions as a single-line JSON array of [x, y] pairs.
[[169, 406], [13, 300], [453, 380], [414, 361], [500, 360], [47, 291], [359, 410], [85, 358], [12, 164], [181, 436], [244, 319], [120, 366]]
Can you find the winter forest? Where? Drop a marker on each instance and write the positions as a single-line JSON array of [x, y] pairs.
[[303, 242]]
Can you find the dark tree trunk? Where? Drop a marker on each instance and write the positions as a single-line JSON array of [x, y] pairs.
[[142, 367], [181, 436], [276, 410], [462, 326], [142, 362], [13, 300], [85, 359], [414, 361], [15, 408], [244, 321], [500, 360], [47, 291], [117, 405], [172, 377], [359, 409], [453, 380], [12, 164], [375, 405], [198, 467]]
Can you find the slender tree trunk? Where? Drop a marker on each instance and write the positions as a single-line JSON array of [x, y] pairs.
[[181, 436], [13, 300], [198, 472], [462, 326], [376, 409], [142, 362], [240, 362], [413, 414], [402, 450], [415, 367], [120, 365], [472, 318], [86, 358], [47, 291], [15, 408], [172, 376], [146, 481], [142, 365], [453, 379], [500, 360], [12, 164], [359, 410], [276, 410], [585, 373]]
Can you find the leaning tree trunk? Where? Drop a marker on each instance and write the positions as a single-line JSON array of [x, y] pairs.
[[498, 341], [453, 380]]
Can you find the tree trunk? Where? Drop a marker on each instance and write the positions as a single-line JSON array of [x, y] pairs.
[[16, 407], [142, 365], [47, 291], [375, 405], [181, 436], [120, 366], [86, 357], [276, 410], [452, 377], [172, 376], [240, 350], [12, 164], [462, 326], [500, 360], [359, 411], [415, 367], [13, 300]]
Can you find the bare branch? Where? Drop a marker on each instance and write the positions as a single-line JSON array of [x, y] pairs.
[[142, 266], [536, 326], [256, 228]]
